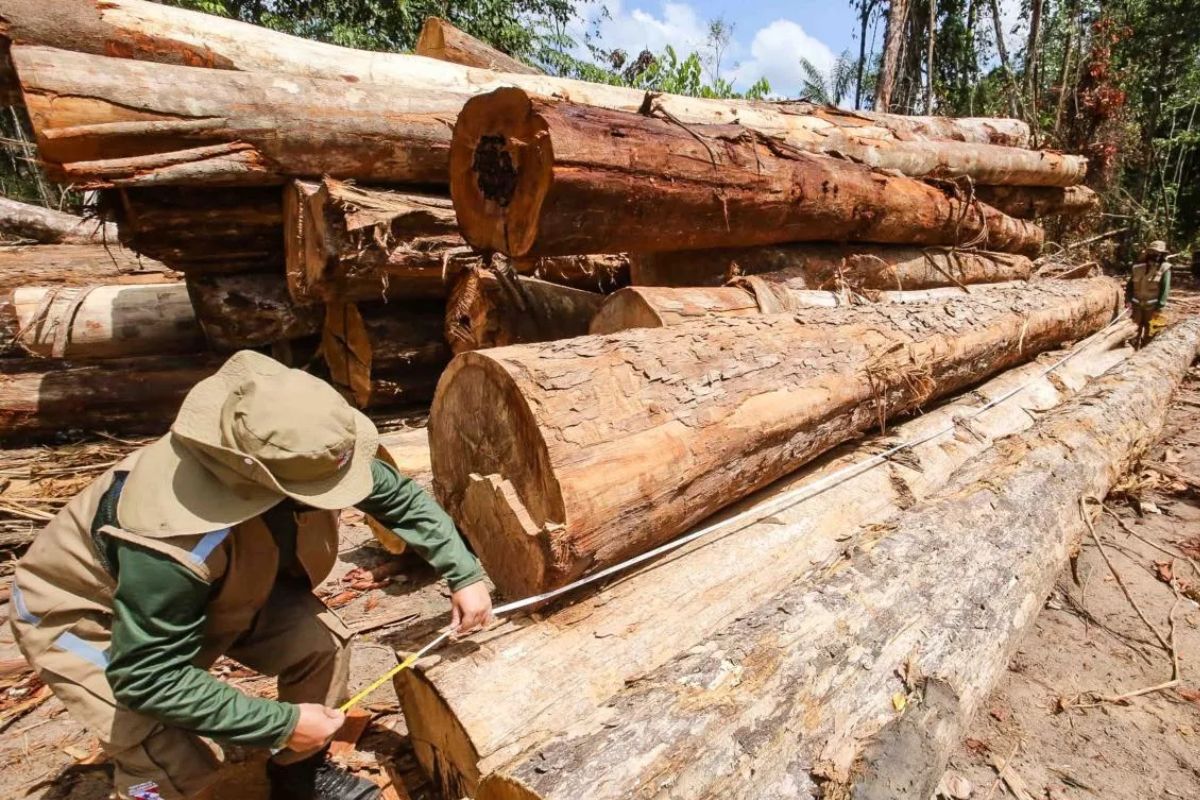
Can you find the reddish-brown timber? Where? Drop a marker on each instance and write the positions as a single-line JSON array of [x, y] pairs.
[[47, 226], [76, 265], [801, 696], [659, 306], [828, 266], [249, 310], [534, 176], [87, 322], [489, 308], [560, 458], [442, 41], [1033, 202], [44, 398], [102, 122], [154, 32]]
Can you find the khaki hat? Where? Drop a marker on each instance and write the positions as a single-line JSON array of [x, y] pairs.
[[252, 434], [1157, 246]]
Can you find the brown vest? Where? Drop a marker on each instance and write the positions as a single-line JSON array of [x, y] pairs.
[[62, 593], [1147, 282]]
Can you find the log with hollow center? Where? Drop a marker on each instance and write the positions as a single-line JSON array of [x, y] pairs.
[[561, 458], [470, 715], [534, 176], [830, 266], [493, 309], [100, 321], [799, 696], [659, 306], [924, 147], [347, 243]]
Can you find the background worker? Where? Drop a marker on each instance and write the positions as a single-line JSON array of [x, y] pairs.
[[209, 542], [1147, 289]]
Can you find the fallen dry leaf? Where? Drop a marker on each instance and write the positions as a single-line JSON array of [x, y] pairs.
[[999, 713], [1191, 695], [339, 600], [976, 746], [371, 603], [1164, 571]]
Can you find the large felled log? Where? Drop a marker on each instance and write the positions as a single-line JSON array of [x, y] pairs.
[[826, 266], [48, 226], [76, 265], [249, 310], [560, 458], [202, 230], [444, 42], [583, 653], [100, 321], [533, 176], [798, 698], [1032, 202], [44, 398], [492, 309], [114, 122], [347, 243], [659, 306], [154, 32]]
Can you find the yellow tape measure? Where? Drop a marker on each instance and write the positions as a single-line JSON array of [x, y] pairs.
[[393, 672]]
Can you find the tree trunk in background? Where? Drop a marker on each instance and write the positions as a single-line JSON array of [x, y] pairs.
[[249, 310], [100, 321], [1032, 202], [202, 230], [462, 723], [660, 306], [1033, 55], [493, 309], [154, 32], [828, 266], [76, 265], [42, 399], [825, 660], [47, 226], [929, 56], [1014, 94], [441, 40], [538, 177], [893, 42], [563, 458]]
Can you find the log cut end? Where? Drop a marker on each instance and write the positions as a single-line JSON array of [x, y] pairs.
[[504, 787], [500, 171], [492, 471], [445, 749], [625, 309]]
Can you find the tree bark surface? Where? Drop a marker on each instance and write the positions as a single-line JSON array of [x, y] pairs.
[[347, 243], [41, 399], [76, 265], [1032, 202], [249, 310], [470, 713], [539, 177], [826, 266], [660, 306], [562, 458], [494, 309], [442, 41], [893, 42], [48, 226], [100, 321], [798, 698], [154, 32]]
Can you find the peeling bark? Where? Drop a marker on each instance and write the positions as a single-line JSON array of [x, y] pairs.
[[826, 266], [538, 177], [796, 697], [562, 458], [475, 707]]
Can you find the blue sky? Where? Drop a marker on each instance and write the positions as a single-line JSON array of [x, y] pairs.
[[769, 36]]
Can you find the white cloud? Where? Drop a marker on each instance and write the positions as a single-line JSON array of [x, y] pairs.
[[774, 51], [775, 54]]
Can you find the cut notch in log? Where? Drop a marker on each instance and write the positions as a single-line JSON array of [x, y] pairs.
[[532, 176], [444, 42], [598, 448]]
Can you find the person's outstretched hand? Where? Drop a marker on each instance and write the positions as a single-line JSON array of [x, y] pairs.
[[470, 608], [316, 726]]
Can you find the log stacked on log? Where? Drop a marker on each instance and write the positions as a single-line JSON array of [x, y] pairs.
[[21, 222]]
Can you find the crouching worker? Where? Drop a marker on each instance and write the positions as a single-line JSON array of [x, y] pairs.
[[209, 542]]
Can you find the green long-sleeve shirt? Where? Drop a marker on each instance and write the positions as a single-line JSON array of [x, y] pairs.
[[159, 615]]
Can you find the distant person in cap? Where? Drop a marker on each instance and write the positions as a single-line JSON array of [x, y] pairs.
[[209, 542], [1147, 289]]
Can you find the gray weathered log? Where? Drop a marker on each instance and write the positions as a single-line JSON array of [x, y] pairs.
[[31, 223]]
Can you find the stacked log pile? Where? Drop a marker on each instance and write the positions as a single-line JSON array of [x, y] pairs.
[[634, 314]]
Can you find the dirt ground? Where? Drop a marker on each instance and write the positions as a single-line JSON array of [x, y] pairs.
[[1090, 706]]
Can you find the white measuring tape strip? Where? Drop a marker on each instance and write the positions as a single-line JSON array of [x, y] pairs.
[[749, 516]]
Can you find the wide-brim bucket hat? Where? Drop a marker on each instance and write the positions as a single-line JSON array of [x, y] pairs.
[[244, 439]]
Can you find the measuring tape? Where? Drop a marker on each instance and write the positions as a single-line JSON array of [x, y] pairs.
[[749, 516]]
